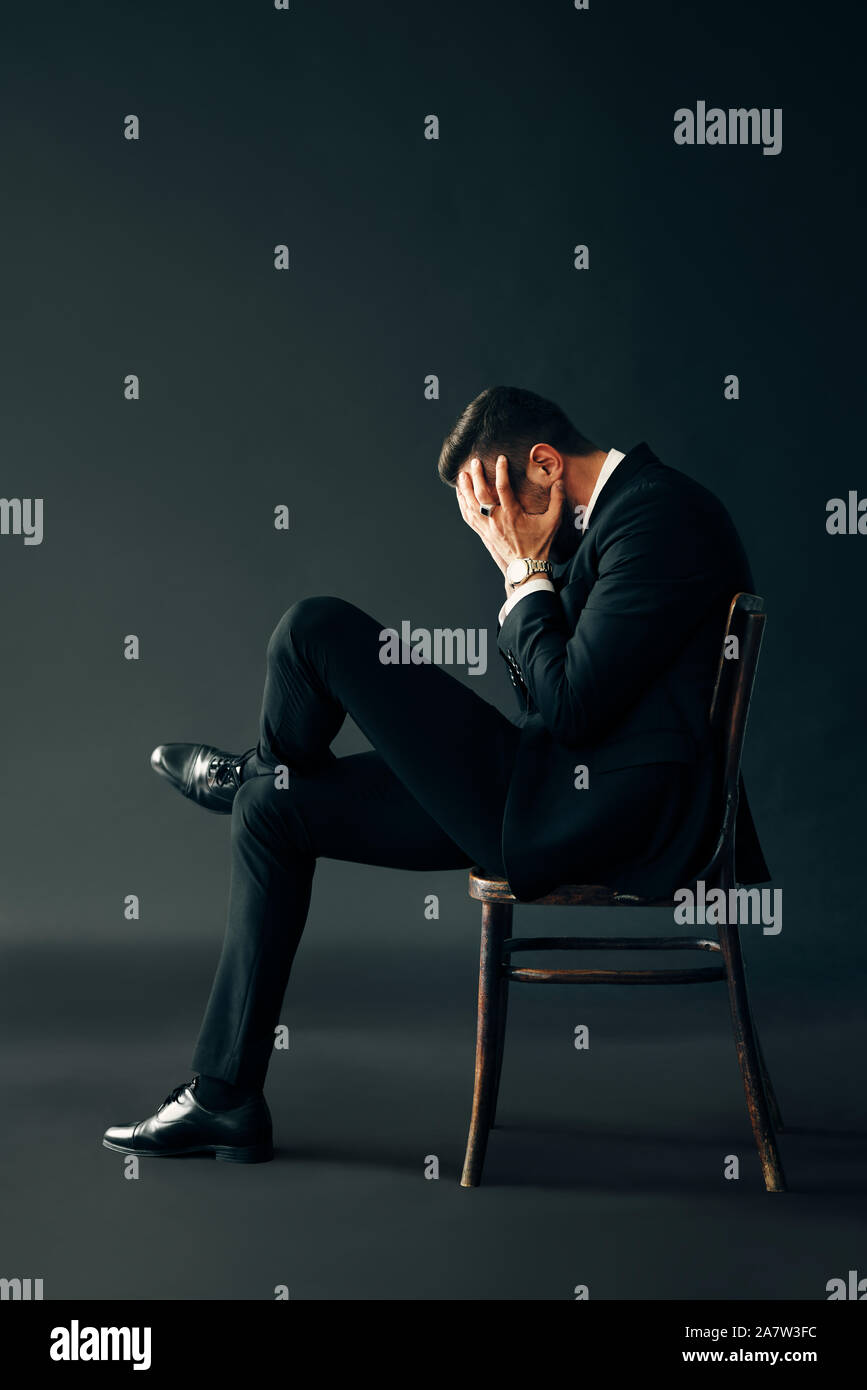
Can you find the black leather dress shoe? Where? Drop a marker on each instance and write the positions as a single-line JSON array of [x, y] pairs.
[[205, 775], [181, 1126]]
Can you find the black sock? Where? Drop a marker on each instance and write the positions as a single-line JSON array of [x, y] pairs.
[[215, 1094]]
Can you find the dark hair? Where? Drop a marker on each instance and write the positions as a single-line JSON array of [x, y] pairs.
[[507, 420]]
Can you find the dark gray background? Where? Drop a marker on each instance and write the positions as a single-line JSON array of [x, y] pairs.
[[408, 257]]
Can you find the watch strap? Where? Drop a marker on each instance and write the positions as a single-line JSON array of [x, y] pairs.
[[533, 567]]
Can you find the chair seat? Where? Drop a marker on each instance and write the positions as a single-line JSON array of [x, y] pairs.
[[486, 889]]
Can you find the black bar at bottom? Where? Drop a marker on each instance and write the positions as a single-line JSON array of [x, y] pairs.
[[203, 1338]]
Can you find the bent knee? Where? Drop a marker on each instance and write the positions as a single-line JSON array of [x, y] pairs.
[[252, 803], [310, 619]]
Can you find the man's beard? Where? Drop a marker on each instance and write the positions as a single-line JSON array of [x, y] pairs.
[[567, 536]]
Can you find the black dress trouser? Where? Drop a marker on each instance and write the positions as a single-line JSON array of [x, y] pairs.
[[430, 796]]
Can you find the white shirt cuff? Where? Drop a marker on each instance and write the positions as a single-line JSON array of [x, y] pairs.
[[530, 586]]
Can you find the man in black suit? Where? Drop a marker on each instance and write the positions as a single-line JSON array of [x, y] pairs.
[[619, 573]]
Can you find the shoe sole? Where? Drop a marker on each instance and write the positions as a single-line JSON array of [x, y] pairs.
[[224, 1153]]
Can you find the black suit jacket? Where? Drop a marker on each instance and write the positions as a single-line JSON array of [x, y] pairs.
[[615, 670]]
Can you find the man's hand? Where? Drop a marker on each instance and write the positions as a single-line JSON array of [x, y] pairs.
[[509, 533]]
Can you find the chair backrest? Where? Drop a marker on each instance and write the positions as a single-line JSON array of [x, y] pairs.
[[730, 706]]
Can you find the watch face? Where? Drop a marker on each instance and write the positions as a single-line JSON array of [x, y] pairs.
[[516, 570]]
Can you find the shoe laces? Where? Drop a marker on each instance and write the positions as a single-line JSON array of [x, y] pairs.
[[223, 771], [178, 1091]]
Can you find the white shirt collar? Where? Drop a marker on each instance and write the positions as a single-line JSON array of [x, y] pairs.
[[612, 459]]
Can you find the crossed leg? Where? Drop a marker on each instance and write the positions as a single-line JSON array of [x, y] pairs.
[[430, 796]]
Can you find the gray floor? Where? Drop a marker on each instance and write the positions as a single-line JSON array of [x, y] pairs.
[[607, 1170]]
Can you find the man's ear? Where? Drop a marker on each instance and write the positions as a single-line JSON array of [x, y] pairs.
[[544, 465]]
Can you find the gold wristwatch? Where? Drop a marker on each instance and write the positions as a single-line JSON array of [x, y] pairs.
[[519, 570]]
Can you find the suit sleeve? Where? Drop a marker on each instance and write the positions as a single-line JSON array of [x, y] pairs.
[[661, 568]]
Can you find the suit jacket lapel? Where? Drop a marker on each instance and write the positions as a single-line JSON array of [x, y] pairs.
[[631, 464]]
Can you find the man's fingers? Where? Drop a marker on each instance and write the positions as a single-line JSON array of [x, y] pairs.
[[479, 482], [468, 510], [504, 487], [465, 487]]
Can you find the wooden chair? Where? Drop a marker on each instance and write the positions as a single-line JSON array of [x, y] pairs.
[[728, 718]]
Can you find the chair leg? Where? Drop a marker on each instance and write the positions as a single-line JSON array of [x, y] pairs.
[[773, 1103], [496, 926], [749, 1061], [501, 1042]]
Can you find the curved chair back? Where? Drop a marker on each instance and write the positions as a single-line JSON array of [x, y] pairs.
[[730, 707]]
